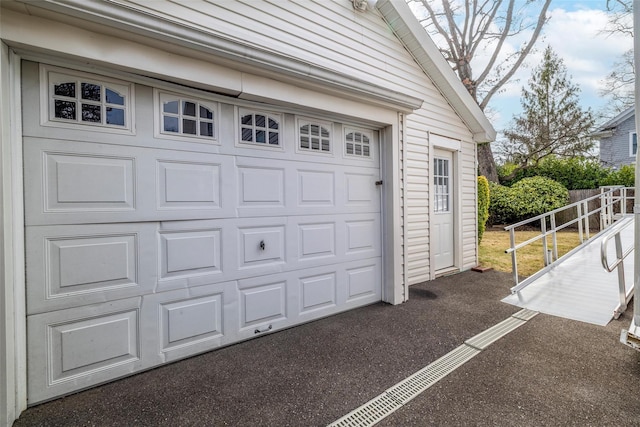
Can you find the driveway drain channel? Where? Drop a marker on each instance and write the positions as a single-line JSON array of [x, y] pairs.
[[406, 390]]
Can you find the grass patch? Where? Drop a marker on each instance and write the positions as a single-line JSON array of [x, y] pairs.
[[530, 258]]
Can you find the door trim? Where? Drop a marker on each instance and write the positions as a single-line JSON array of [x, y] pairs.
[[13, 338], [454, 146]]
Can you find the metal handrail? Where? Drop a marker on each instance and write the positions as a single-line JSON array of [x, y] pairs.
[[614, 233], [623, 294], [605, 192], [609, 198]]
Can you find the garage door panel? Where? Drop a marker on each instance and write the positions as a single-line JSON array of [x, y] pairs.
[[361, 190], [362, 282], [190, 321], [70, 266], [361, 236], [318, 292], [261, 246], [80, 347], [263, 304], [266, 303], [317, 240], [87, 182], [183, 185], [190, 252], [294, 188], [75, 182], [316, 188], [195, 253], [261, 187], [328, 239]]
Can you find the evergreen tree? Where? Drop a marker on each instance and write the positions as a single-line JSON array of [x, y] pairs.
[[552, 123]]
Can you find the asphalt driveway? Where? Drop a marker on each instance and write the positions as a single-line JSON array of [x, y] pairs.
[[551, 371]]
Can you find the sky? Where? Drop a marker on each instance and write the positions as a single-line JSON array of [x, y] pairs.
[[574, 33]]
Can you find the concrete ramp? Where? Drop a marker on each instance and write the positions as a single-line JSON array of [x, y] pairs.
[[578, 287]]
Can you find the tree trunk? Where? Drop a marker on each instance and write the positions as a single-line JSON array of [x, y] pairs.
[[486, 163]]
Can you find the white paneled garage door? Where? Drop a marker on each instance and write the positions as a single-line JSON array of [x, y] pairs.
[[161, 223]]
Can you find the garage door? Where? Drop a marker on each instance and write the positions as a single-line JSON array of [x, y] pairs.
[[164, 222]]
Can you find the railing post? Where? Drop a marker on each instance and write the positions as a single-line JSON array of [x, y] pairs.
[[622, 288], [554, 240], [579, 216], [543, 230], [585, 216], [514, 258], [603, 209]]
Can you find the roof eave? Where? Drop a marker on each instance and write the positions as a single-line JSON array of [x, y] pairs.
[[182, 34]]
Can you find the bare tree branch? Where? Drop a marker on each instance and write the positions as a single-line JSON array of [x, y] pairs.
[[542, 18]]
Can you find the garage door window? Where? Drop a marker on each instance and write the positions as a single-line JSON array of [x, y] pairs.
[[357, 143], [257, 127], [187, 117], [88, 100], [314, 136]]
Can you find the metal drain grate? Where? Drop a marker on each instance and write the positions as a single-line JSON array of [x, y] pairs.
[[400, 394], [369, 413], [409, 388], [494, 333], [525, 314]]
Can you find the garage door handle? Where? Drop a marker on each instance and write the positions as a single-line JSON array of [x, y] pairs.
[[262, 245], [263, 329]]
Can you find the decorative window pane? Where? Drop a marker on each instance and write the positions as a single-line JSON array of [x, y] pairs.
[[170, 107], [114, 97], [189, 108], [65, 110], [115, 116], [171, 124], [91, 92], [189, 127], [186, 117], [87, 99], [260, 128], [314, 137], [205, 113], [441, 181], [65, 89], [206, 129], [357, 144], [91, 113]]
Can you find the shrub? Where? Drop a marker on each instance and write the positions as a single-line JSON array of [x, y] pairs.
[[500, 211], [575, 173], [483, 205], [625, 176], [526, 198]]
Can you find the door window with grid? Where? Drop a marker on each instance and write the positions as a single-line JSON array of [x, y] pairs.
[[442, 185]]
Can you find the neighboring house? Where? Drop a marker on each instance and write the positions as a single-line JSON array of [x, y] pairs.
[[180, 176], [618, 140]]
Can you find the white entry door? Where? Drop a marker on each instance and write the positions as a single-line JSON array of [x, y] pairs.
[[443, 211]]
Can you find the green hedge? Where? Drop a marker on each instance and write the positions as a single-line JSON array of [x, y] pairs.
[[483, 205], [575, 173], [526, 198], [626, 176]]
